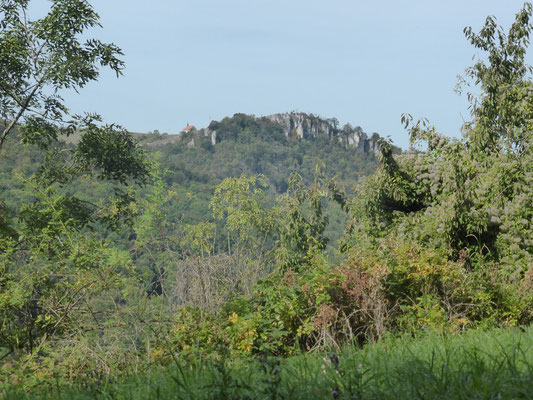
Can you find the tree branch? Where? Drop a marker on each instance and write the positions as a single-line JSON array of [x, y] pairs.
[[19, 114]]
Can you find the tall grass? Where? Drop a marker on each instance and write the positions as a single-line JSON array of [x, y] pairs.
[[495, 364]]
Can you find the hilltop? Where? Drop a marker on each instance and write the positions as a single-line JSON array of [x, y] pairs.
[[293, 126], [274, 146]]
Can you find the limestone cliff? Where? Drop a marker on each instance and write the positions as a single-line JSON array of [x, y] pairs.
[[303, 126]]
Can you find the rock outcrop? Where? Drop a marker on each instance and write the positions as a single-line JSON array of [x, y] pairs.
[[212, 135], [303, 126]]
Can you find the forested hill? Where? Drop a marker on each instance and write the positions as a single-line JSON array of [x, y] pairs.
[[197, 160], [275, 146]]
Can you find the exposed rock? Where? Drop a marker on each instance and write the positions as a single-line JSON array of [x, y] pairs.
[[303, 125], [353, 138], [212, 135]]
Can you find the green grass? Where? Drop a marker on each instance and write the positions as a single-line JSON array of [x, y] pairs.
[[496, 364]]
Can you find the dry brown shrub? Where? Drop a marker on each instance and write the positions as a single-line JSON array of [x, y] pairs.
[[325, 316], [203, 282], [363, 302], [358, 310], [208, 282], [289, 277], [526, 285]]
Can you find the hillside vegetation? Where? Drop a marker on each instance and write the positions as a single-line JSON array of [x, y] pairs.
[[245, 146], [217, 256]]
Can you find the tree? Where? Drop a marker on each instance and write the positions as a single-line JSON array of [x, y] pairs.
[[502, 114], [472, 194], [40, 58], [53, 261]]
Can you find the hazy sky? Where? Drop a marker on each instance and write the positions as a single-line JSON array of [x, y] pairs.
[[363, 62]]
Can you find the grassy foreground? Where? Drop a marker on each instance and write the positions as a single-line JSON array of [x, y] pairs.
[[495, 364]]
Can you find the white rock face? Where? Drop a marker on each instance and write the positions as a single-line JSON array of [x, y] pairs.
[[303, 126], [212, 135]]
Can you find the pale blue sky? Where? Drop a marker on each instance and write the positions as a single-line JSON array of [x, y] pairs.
[[362, 62]]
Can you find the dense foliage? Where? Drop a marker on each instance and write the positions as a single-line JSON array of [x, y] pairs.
[[250, 146], [52, 261], [110, 262]]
